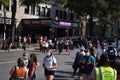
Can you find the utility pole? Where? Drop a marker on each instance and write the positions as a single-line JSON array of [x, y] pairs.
[[14, 5], [4, 35]]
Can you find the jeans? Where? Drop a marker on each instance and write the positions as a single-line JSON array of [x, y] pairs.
[[20, 79]]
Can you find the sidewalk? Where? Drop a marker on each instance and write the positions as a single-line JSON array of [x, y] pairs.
[[32, 47]]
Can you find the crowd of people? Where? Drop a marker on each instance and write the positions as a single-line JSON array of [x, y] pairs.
[[97, 62], [25, 69]]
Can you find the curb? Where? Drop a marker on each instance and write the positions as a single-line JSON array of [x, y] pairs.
[[17, 50]]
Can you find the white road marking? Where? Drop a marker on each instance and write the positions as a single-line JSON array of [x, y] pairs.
[[7, 62]]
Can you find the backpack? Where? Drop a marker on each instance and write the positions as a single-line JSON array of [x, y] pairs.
[[111, 53]]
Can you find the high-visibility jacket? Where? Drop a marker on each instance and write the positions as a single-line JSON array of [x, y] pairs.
[[105, 73]]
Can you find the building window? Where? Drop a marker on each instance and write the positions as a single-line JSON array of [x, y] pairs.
[[61, 14], [43, 10], [48, 12], [57, 13], [26, 9], [38, 11], [64, 15], [71, 16], [33, 10]]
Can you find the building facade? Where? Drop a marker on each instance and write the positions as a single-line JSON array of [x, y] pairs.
[[47, 19]]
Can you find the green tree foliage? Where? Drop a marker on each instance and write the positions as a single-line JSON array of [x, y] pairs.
[[109, 11], [5, 2], [30, 2], [64, 2], [106, 11]]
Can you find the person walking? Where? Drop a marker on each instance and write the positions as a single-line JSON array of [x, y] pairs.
[[24, 44], [26, 59], [92, 50], [70, 47], [75, 65], [49, 65], [104, 71], [60, 46], [20, 72], [86, 63], [32, 67]]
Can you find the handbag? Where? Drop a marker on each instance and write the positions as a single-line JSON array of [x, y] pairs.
[[12, 77]]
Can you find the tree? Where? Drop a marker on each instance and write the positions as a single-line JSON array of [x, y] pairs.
[[83, 8], [107, 11]]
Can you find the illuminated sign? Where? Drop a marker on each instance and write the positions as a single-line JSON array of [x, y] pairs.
[[66, 24], [74, 24]]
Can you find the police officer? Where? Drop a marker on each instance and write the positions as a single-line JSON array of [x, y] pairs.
[[104, 71]]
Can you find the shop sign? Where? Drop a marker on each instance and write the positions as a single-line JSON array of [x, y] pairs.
[[26, 22], [8, 21], [37, 22], [66, 24], [45, 22], [74, 24], [31, 22]]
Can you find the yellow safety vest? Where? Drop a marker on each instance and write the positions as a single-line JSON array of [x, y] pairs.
[[105, 73]]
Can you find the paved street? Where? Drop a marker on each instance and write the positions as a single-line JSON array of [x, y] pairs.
[[63, 72]]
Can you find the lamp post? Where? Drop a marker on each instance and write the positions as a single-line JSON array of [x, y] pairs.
[[4, 35], [13, 20]]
